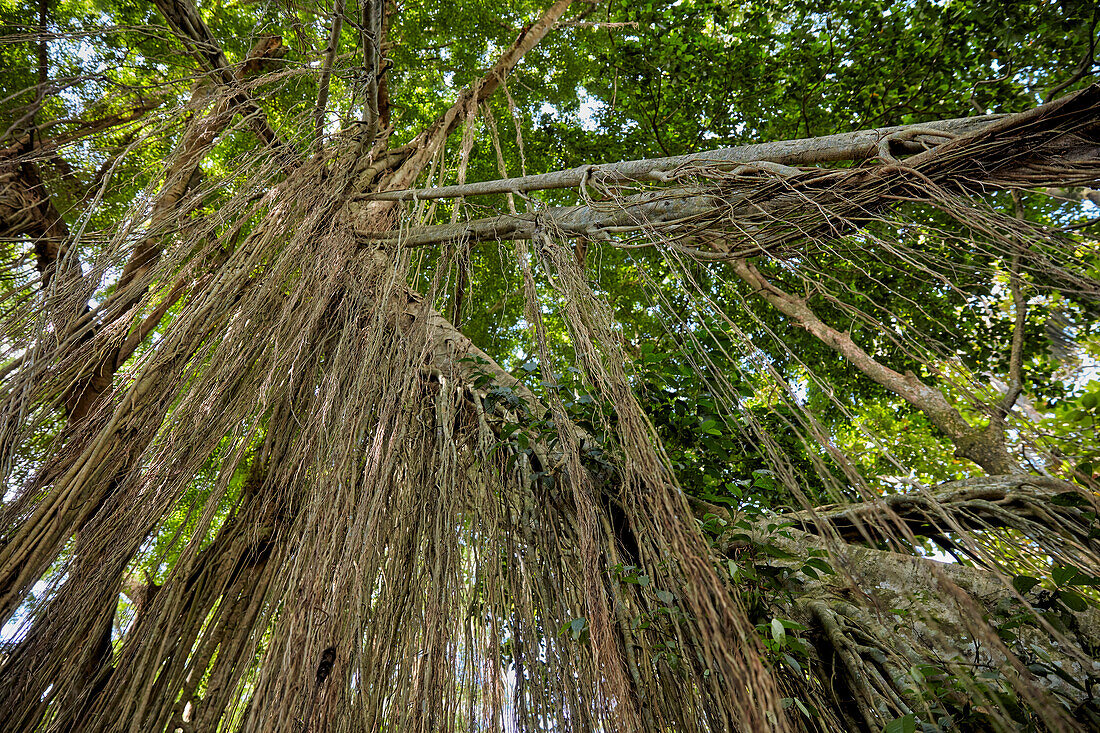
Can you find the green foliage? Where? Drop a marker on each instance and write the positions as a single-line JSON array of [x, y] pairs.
[[1073, 428]]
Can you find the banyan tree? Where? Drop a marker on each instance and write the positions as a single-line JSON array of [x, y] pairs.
[[406, 366]]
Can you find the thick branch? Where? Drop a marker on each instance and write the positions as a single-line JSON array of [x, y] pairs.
[[969, 442], [810, 151], [184, 18], [981, 503], [26, 209], [653, 208], [764, 207], [370, 38]]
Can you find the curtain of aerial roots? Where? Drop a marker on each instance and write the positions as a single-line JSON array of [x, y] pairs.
[[350, 546], [907, 614], [349, 536]]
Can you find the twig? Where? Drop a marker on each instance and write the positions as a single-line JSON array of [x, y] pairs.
[[1082, 68], [326, 72]]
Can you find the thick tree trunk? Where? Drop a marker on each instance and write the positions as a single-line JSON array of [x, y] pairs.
[[884, 614]]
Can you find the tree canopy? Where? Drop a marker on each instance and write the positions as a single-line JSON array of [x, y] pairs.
[[508, 365]]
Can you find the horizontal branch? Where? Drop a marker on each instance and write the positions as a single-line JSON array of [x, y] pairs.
[[975, 504], [765, 208], [652, 208], [808, 151]]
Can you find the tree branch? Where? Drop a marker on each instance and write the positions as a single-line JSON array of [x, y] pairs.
[[969, 442], [766, 206], [810, 151], [1016, 353], [326, 72], [429, 141], [653, 208], [980, 503], [1084, 67], [185, 20], [371, 38]]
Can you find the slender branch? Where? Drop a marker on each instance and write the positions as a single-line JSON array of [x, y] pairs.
[[1019, 305], [1086, 64], [326, 72], [151, 321], [429, 141], [43, 54], [83, 128]]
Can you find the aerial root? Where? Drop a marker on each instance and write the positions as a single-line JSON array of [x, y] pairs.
[[868, 673]]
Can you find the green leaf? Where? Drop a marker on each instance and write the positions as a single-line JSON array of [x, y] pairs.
[[904, 724], [1063, 574], [778, 632], [775, 552], [818, 563], [1073, 601], [1024, 583]]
